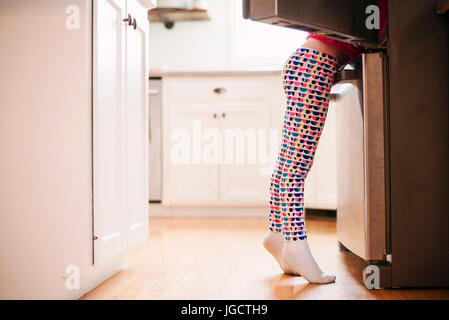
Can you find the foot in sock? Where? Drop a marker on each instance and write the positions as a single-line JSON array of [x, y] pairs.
[[274, 243], [296, 257]]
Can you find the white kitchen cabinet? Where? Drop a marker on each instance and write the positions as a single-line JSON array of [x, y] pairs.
[[137, 125], [187, 179], [120, 126], [321, 182], [220, 106], [232, 111], [205, 175], [109, 89], [243, 181], [73, 121]]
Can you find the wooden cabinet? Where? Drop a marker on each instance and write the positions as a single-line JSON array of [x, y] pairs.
[[120, 127]]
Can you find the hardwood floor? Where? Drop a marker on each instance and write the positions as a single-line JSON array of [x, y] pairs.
[[197, 258]]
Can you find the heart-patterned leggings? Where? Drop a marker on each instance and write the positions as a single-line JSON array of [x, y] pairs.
[[307, 78]]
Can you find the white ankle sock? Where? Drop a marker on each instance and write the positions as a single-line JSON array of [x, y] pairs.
[[296, 257], [274, 243]]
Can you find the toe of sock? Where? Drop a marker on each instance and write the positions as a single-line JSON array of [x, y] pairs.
[[328, 278]]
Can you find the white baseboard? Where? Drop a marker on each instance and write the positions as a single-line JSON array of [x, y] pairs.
[[159, 210], [94, 276]]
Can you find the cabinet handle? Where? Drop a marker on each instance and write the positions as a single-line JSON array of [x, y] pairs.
[[129, 19], [219, 90], [223, 115], [215, 115]]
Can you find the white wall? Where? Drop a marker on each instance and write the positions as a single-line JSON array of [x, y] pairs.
[[226, 42]]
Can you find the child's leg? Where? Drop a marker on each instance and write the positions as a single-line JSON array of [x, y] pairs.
[[308, 76], [274, 239], [275, 222]]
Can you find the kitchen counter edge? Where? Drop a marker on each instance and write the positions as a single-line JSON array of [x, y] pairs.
[[218, 73]]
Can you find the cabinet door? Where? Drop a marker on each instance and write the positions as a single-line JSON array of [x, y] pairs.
[[321, 182], [108, 129], [245, 174], [190, 177], [325, 166], [137, 125]]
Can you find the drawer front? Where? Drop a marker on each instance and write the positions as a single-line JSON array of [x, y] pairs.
[[216, 89]]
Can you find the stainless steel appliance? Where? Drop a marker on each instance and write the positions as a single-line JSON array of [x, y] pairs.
[[155, 138], [339, 19], [359, 106], [393, 132]]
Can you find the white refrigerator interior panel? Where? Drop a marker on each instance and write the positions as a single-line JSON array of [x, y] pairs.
[[351, 201]]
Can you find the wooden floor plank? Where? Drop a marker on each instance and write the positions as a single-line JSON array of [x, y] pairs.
[[198, 258]]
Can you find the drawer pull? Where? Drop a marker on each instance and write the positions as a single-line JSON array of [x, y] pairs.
[[215, 115], [219, 90]]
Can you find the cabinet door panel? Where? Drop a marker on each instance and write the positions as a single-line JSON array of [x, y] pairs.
[[108, 114], [245, 177], [321, 182], [189, 179], [137, 126], [325, 166]]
